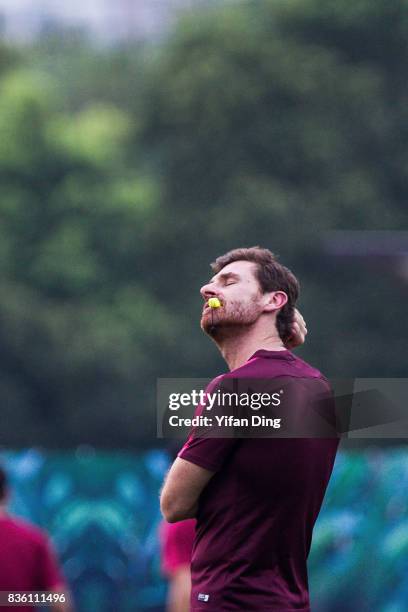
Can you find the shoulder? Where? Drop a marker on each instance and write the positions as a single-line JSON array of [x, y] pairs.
[[25, 530], [268, 365], [215, 382], [308, 369]]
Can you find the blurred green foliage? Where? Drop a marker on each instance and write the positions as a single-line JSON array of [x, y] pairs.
[[125, 171]]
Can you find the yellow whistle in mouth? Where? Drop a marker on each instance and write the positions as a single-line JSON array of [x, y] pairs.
[[214, 303]]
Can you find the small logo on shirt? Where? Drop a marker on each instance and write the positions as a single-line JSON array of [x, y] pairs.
[[203, 597]]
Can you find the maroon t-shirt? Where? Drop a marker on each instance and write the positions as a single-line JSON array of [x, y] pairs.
[[255, 517], [27, 560]]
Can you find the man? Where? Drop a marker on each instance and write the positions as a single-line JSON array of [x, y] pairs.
[[255, 500], [27, 560]]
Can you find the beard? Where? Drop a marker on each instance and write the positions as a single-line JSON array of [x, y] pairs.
[[231, 319]]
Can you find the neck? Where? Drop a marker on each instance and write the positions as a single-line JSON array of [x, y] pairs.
[[238, 347]]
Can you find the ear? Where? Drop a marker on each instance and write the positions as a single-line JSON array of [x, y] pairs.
[[275, 300]]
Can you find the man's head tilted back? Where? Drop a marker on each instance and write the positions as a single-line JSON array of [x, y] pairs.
[[253, 287]]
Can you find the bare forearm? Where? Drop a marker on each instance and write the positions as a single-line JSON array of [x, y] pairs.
[[179, 591], [182, 489], [177, 515], [192, 513]]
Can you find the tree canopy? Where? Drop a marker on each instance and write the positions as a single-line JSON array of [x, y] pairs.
[[125, 171]]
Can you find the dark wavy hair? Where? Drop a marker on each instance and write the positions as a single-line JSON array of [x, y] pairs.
[[272, 276]]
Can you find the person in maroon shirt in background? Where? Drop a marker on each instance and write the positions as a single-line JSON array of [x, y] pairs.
[[27, 560], [255, 499], [176, 545]]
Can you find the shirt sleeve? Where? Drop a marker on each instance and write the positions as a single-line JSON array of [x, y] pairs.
[[49, 574], [208, 453], [206, 447]]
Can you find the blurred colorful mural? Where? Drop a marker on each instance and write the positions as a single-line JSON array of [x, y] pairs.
[[102, 512]]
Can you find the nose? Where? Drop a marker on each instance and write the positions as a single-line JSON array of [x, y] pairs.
[[208, 291]]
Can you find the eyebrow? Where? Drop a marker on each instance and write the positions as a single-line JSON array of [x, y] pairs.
[[226, 276]]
